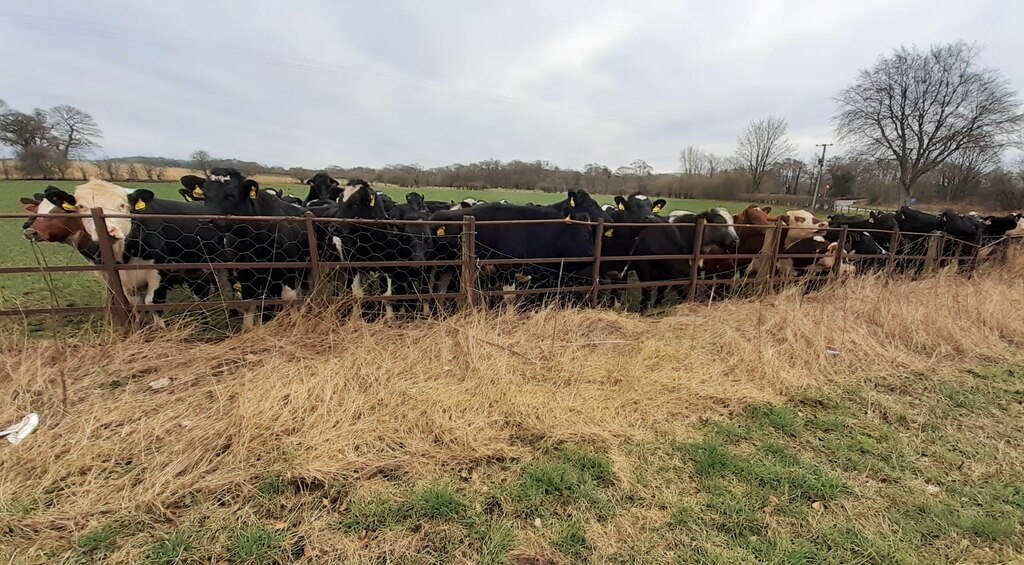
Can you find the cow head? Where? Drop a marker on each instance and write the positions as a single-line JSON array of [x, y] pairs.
[[323, 187], [635, 208], [415, 200], [226, 192], [360, 201], [863, 243], [719, 230], [754, 215], [55, 230], [884, 220], [110, 198], [583, 203]]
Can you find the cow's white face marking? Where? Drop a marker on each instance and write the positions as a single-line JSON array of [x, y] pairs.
[[45, 207], [220, 178], [349, 192], [727, 216], [641, 197], [821, 239]]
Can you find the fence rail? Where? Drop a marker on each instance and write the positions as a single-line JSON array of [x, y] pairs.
[[461, 254]]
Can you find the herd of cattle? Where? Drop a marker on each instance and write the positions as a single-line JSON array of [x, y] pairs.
[[426, 235]]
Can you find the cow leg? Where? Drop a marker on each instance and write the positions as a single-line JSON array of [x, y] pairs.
[[389, 307], [288, 293], [248, 318], [358, 293]]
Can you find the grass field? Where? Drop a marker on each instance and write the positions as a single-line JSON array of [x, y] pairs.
[[721, 434], [68, 289]]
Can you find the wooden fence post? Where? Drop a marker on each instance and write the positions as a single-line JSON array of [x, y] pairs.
[[314, 253], [976, 256], [598, 245], [838, 260], [777, 242], [894, 243], [120, 308], [698, 243], [469, 271], [933, 256]]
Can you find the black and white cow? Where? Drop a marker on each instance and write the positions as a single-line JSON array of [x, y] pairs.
[[227, 192]]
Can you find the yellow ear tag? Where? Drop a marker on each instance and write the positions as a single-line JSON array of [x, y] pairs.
[[237, 286], [197, 193], [373, 200], [622, 207], [609, 232], [68, 207], [656, 209], [440, 231], [572, 202], [253, 193], [140, 205], [568, 219]]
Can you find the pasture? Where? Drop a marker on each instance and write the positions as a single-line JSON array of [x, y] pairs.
[[713, 434], [71, 289]]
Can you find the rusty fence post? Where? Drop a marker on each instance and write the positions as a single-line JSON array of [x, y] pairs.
[[837, 263], [894, 243], [698, 243], [598, 245], [469, 271], [778, 240], [119, 308], [314, 252]]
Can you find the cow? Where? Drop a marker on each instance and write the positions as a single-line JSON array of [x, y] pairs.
[[65, 228], [227, 192], [813, 254], [961, 236], [321, 187], [873, 225], [565, 239], [368, 242], [293, 200], [679, 238]]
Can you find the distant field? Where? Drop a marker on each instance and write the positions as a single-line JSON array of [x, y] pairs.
[[71, 289]]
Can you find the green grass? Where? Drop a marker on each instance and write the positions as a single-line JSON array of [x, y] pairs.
[[923, 470]]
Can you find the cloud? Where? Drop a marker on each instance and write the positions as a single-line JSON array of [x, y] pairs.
[[371, 83]]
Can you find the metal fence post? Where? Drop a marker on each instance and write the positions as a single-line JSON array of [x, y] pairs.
[[119, 307], [777, 242], [598, 244], [698, 243], [838, 260], [314, 252], [469, 271]]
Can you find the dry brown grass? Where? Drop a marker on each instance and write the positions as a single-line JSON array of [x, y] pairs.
[[323, 402]]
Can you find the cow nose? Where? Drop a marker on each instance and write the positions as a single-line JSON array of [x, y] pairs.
[[31, 234]]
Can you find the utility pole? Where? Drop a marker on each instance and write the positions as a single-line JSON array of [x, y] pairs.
[[821, 166]]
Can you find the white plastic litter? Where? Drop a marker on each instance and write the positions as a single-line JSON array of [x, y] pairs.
[[16, 433], [159, 383], [829, 350]]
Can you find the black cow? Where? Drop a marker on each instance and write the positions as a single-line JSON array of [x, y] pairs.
[[882, 221], [322, 187], [293, 200], [679, 239], [914, 226], [566, 239], [228, 192], [163, 241], [377, 242], [961, 236]]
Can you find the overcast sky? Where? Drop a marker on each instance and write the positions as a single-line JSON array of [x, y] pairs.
[[316, 83]]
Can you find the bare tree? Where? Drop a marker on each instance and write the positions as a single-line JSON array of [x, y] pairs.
[[134, 171], [790, 171], [693, 161], [201, 160], [110, 169], [75, 132], [83, 170], [715, 163], [964, 171], [20, 130], [920, 108], [6, 167], [41, 161], [760, 146], [160, 174], [642, 171], [150, 169]]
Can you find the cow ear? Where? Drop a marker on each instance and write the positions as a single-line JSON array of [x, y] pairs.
[[620, 203], [254, 188], [186, 194], [658, 205], [139, 199], [308, 181], [571, 195], [58, 197], [25, 201], [767, 209], [194, 185], [333, 182]]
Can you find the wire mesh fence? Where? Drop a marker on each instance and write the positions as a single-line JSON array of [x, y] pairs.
[[143, 267]]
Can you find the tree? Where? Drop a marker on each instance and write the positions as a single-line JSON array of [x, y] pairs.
[[20, 130], [593, 173], [964, 171], [920, 108], [715, 163], [6, 167], [201, 161], [693, 161], [760, 146], [75, 132], [790, 171], [642, 171], [41, 161]]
